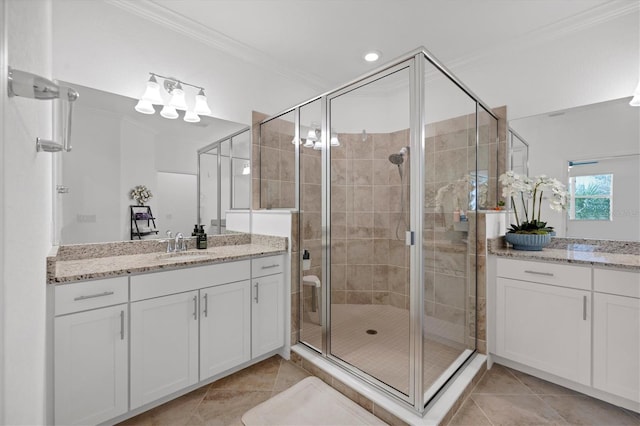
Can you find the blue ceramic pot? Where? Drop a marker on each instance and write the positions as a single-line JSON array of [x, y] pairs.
[[530, 242]]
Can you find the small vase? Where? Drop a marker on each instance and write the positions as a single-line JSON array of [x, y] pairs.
[[530, 242]]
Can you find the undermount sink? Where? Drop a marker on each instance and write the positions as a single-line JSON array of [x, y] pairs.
[[183, 256]]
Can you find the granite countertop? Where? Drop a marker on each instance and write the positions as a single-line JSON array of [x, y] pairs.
[[69, 264], [598, 253]]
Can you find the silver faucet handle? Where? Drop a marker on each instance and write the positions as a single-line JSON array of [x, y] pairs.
[[169, 241]]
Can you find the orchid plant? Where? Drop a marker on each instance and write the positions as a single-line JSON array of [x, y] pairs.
[[530, 190]]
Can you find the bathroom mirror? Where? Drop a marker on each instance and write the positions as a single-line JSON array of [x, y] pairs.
[[580, 147], [116, 149]]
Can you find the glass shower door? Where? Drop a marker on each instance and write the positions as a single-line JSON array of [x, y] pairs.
[[369, 205]]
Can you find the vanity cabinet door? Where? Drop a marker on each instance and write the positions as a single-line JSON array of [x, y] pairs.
[[545, 327], [90, 359], [164, 346], [225, 327], [616, 345], [267, 322]]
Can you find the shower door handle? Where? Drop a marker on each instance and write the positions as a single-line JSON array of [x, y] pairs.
[[410, 238]]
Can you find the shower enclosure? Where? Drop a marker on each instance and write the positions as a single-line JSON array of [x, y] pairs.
[[387, 173]]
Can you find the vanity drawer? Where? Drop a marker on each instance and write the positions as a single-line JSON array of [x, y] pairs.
[[268, 265], [180, 280], [87, 295], [622, 283], [547, 273]]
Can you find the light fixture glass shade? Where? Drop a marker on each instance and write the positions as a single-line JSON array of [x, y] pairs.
[[178, 100], [191, 117], [334, 140], [145, 107], [169, 112], [295, 141], [635, 101], [152, 92], [317, 145], [308, 143], [202, 107], [311, 135]]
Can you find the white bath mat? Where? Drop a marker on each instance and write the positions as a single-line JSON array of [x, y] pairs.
[[310, 402]]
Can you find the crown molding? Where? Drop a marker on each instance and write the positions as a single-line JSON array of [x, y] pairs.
[[162, 16]]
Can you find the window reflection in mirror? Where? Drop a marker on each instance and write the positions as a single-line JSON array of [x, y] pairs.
[[597, 139], [115, 149]]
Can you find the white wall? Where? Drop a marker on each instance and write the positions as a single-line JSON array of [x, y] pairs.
[[594, 64], [99, 45], [595, 131], [26, 211]]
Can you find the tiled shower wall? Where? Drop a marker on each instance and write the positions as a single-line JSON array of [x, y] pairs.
[[369, 264], [366, 184]]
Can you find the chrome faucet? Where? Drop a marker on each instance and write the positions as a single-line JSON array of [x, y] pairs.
[[180, 244], [170, 247]]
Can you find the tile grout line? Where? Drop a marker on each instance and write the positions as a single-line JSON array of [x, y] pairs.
[[539, 396], [479, 408]]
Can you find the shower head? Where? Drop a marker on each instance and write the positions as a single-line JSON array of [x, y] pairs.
[[398, 157]]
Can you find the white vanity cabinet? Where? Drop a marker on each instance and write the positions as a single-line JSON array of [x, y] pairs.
[[616, 333], [225, 327], [168, 328], [125, 343], [543, 317], [267, 322], [164, 346], [91, 351]]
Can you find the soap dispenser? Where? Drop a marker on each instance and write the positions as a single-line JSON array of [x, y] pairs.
[[306, 260], [201, 238], [195, 231]]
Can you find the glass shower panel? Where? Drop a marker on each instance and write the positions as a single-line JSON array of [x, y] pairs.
[[369, 215], [209, 190], [312, 280], [448, 234], [241, 173], [487, 159], [277, 162]]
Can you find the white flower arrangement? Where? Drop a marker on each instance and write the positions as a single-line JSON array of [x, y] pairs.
[[531, 189], [461, 190], [141, 194]]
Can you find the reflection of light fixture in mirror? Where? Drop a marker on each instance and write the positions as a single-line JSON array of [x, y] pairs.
[[635, 101], [173, 87], [317, 145], [246, 169], [295, 141], [334, 139]]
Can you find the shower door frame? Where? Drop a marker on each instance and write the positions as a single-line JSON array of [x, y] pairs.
[[415, 309], [415, 59]]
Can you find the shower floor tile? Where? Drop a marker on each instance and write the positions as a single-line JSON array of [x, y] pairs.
[[385, 354]]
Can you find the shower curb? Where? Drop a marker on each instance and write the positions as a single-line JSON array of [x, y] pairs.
[[439, 412]]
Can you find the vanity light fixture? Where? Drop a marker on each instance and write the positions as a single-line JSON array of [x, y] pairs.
[[178, 100], [635, 101], [313, 138]]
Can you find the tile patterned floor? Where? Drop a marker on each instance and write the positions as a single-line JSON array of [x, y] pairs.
[[226, 400], [502, 397], [508, 397]]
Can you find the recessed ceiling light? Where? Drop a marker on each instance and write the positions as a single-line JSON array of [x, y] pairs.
[[372, 56]]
